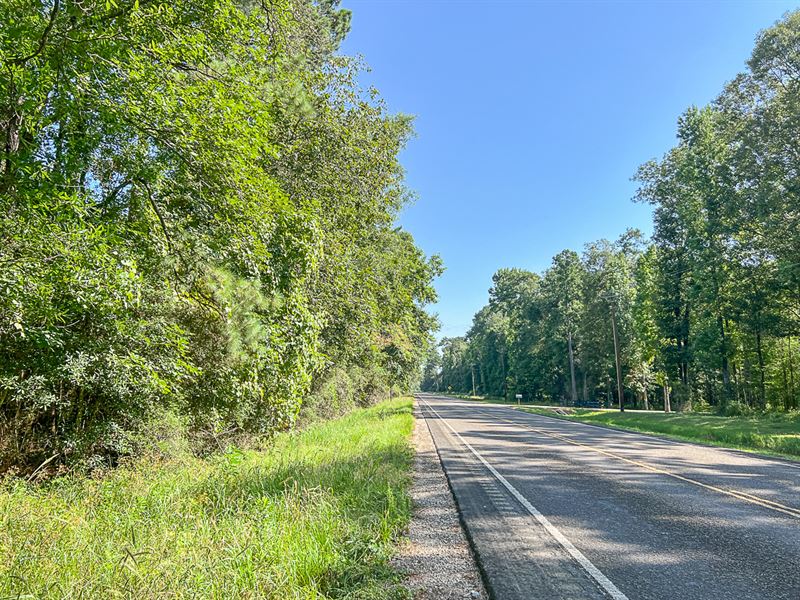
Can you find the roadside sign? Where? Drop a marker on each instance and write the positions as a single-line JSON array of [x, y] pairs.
[[518, 396]]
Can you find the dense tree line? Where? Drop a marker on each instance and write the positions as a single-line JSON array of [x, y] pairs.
[[197, 220], [707, 312]]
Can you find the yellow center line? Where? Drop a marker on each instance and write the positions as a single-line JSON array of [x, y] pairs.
[[763, 502]]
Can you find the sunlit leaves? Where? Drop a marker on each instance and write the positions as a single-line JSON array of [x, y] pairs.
[[198, 215]]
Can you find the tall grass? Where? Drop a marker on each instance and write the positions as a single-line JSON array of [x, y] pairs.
[[315, 516]]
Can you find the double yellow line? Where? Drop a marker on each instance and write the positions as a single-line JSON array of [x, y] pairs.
[[763, 502]]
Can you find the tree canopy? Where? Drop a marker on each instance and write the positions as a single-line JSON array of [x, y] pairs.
[[197, 216]]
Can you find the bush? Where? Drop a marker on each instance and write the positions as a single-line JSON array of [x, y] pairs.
[[737, 409], [340, 391]]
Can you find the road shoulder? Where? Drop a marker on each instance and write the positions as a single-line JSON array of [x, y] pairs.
[[519, 557], [436, 559]]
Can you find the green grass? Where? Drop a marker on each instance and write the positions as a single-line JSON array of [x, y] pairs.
[[478, 398], [315, 516], [771, 433], [495, 400]]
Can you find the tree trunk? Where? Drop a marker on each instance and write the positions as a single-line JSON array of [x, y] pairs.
[[667, 407], [786, 398], [472, 370], [791, 371], [585, 388], [762, 385], [747, 383], [9, 131], [617, 361], [726, 376], [505, 375], [572, 370]]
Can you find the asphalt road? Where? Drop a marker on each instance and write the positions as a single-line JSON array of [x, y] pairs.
[[558, 509]]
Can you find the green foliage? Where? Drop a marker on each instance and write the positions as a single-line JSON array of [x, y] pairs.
[[197, 207], [314, 516]]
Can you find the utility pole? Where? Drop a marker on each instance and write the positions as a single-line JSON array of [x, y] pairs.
[[616, 358], [572, 370]]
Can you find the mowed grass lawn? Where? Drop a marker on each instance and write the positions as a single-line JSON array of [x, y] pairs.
[[773, 433], [315, 516]]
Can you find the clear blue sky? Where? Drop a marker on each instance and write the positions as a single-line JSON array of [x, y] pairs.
[[531, 117]]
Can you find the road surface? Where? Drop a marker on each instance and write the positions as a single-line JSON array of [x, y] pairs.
[[558, 509]]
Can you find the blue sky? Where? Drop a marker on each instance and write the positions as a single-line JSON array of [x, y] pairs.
[[532, 117]]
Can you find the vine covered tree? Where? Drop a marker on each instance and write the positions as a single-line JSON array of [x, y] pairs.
[[197, 217]]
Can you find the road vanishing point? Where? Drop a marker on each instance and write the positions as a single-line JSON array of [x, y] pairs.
[[556, 509]]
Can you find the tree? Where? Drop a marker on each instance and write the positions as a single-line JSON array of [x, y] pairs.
[[197, 215]]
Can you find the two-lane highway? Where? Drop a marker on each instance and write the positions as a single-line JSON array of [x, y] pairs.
[[558, 509]]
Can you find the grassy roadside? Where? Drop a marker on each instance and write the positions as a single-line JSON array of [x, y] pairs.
[[775, 433], [484, 399], [501, 400], [316, 516], [496, 399]]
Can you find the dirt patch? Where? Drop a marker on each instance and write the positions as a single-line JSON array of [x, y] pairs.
[[436, 558]]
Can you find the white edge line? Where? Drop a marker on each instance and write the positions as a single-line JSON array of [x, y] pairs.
[[584, 562]]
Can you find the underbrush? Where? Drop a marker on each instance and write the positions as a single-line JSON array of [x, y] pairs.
[[314, 516], [341, 390]]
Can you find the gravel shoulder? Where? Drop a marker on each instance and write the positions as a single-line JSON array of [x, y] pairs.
[[436, 559]]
